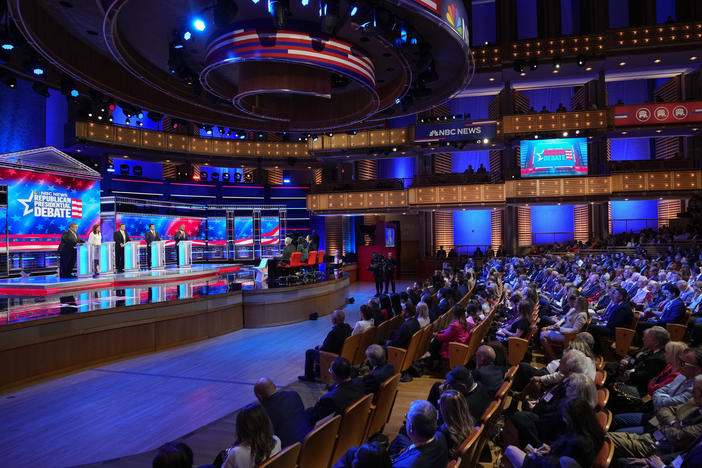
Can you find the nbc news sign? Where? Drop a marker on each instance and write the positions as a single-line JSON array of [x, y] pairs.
[[455, 131]]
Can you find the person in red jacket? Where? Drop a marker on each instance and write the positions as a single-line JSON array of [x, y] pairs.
[[458, 331]]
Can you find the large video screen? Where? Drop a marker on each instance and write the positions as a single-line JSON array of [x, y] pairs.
[[42, 205], [217, 231], [166, 226], [270, 230], [243, 231], [558, 157]]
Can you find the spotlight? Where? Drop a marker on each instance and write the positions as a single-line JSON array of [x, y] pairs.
[[140, 115], [215, 177], [248, 178], [225, 177], [139, 122], [203, 176], [533, 64], [124, 169], [110, 168], [286, 181], [242, 136], [127, 122], [565, 134], [177, 42], [37, 68], [187, 35], [581, 60], [315, 138], [224, 13], [556, 61], [138, 171], [199, 24], [354, 10], [208, 130], [237, 176], [7, 41], [260, 136]]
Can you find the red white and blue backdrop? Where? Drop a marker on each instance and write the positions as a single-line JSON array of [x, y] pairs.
[[166, 226]]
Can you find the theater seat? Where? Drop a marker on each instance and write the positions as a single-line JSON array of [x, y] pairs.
[[286, 458]]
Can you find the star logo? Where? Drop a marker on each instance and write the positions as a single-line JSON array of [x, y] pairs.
[[26, 202]]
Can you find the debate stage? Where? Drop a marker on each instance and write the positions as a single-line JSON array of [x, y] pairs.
[[51, 326]]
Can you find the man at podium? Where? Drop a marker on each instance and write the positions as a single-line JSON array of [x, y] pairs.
[[121, 238], [180, 235], [151, 236], [67, 251]]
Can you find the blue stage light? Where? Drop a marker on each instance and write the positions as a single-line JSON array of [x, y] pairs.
[[397, 101], [242, 136], [75, 93], [354, 10], [199, 24], [305, 2], [286, 181], [414, 41], [255, 2], [140, 115], [38, 71], [187, 35], [7, 46], [110, 168]]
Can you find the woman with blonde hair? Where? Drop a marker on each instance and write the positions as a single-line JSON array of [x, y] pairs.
[[422, 311], [673, 350], [458, 422], [572, 322]]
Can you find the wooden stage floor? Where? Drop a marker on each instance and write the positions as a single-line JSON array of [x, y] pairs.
[[138, 404]]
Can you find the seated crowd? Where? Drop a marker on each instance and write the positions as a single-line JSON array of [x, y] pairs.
[[593, 391]]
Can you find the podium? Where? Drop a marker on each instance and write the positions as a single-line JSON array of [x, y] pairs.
[[131, 256], [87, 254], [158, 255], [107, 258], [185, 253]]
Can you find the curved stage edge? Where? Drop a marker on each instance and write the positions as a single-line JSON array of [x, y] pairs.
[[48, 348]]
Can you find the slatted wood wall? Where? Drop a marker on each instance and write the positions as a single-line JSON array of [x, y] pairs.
[[333, 231], [523, 226], [275, 176], [366, 169], [443, 229], [667, 210], [581, 223], [496, 234]]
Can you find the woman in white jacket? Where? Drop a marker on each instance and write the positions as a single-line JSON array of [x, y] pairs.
[[95, 239]]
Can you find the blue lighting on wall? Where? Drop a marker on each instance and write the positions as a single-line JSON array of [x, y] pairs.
[[549, 97], [38, 71], [397, 168], [199, 24], [472, 228], [119, 118], [630, 149], [527, 25], [461, 161], [628, 92], [552, 223], [484, 30], [634, 215], [23, 111], [476, 106]]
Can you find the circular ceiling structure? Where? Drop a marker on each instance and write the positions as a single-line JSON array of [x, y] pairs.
[[276, 65]]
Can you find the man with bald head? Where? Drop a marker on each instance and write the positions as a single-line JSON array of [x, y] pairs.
[[286, 410], [491, 376], [332, 344]]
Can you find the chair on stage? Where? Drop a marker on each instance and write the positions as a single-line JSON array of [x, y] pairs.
[[262, 271], [321, 275], [291, 278], [309, 275]]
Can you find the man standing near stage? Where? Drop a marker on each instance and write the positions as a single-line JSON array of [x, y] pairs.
[[151, 236], [121, 238], [389, 267], [67, 251], [180, 235]]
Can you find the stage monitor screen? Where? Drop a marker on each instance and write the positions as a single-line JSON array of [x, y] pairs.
[[41, 206], [560, 157], [243, 231], [270, 230], [216, 231], [136, 226], [389, 237]]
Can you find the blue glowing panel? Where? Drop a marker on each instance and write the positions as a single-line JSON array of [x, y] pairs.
[[476, 106], [243, 231], [630, 149], [389, 237], [483, 26], [553, 158], [398, 168], [461, 161], [527, 26], [41, 205], [634, 215], [618, 14], [472, 229], [552, 223], [665, 9], [217, 231], [628, 92], [549, 97], [270, 230], [22, 114]]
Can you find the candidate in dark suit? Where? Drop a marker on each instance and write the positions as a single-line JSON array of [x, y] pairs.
[[67, 251], [486, 372], [342, 394], [150, 236], [673, 311], [121, 238], [380, 370], [402, 336], [332, 344], [286, 410], [617, 314], [180, 235]]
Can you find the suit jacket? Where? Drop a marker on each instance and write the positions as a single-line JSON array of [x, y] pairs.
[[180, 236], [690, 424], [431, 455], [491, 377], [673, 312], [478, 400], [335, 338], [340, 397], [117, 237], [69, 240], [290, 421], [149, 237], [377, 375], [646, 368], [693, 457], [287, 252], [620, 315], [402, 336]]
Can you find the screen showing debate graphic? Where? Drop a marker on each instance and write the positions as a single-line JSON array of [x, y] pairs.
[[553, 158], [243, 231], [42, 205], [136, 226], [217, 231], [270, 230]]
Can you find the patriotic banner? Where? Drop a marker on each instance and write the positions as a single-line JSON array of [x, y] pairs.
[[270, 230], [136, 226], [656, 114], [243, 231], [42, 205]]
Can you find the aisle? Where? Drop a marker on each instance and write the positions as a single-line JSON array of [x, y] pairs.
[[136, 405]]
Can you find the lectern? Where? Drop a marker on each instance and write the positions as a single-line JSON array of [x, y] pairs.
[[158, 255], [87, 254], [131, 256], [185, 253]]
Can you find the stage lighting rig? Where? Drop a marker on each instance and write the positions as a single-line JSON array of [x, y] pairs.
[[280, 11], [41, 89], [533, 64]]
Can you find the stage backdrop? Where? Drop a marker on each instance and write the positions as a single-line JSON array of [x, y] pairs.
[[270, 230], [41, 205], [137, 225], [217, 231]]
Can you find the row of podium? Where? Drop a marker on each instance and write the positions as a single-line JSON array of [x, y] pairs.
[[105, 256]]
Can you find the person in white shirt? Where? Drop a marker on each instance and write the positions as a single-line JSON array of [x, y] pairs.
[[255, 441], [366, 320], [95, 239]]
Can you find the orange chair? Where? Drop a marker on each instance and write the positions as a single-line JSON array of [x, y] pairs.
[[284, 459], [318, 445], [353, 427], [604, 417], [382, 406], [604, 457], [312, 258]]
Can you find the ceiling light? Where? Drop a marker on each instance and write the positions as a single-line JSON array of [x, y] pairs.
[[199, 24], [581, 60], [556, 61], [588, 68], [522, 74], [657, 61], [555, 71], [693, 57], [565, 134], [621, 64], [491, 79]]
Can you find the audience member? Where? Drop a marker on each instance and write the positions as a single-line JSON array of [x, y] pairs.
[[402, 336], [487, 373], [461, 380], [255, 441], [366, 320], [332, 344], [285, 410], [457, 420], [380, 370], [370, 455], [173, 455], [340, 396], [428, 449]]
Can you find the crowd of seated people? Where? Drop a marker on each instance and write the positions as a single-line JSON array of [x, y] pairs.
[[572, 306]]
